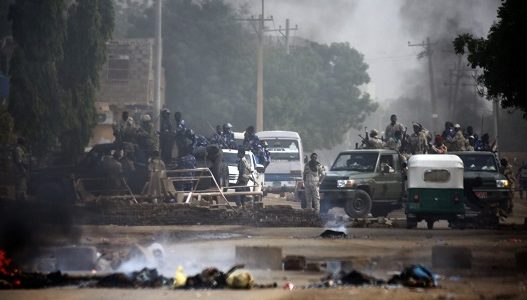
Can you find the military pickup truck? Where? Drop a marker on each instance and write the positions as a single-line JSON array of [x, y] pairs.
[[364, 182], [488, 193]]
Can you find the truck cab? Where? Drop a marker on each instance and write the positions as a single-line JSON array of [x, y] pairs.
[[364, 182]]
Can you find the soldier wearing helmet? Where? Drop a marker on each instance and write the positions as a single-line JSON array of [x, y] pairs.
[[228, 136], [418, 140], [146, 137], [166, 136]]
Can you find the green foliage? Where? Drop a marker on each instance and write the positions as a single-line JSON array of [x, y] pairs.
[[90, 26], [209, 59], [34, 101], [501, 56], [54, 70]]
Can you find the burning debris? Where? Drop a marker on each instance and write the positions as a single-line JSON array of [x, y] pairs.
[[333, 234]]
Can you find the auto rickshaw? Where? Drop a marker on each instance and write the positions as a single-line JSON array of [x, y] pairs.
[[435, 190]]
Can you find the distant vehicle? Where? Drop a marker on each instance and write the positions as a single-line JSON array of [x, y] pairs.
[[286, 166], [230, 160], [363, 182], [435, 190], [487, 190]]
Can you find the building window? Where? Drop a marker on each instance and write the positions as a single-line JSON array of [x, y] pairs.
[[118, 67]]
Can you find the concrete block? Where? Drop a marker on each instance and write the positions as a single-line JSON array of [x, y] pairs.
[[521, 260], [75, 258], [452, 257], [294, 262], [257, 257]]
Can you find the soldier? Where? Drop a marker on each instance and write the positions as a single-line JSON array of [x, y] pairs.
[[216, 138], [394, 143], [448, 134], [458, 142], [244, 175], [166, 137], [393, 127], [124, 131], [186, 159], [113, 169], [146, 137], [374, 142], [228, 136], [180, 123], [21, 163], [417, 140], [158, 185], [438, 147], [264, 156], [506, 170], [313, 173], [522, 178], [251, 142]]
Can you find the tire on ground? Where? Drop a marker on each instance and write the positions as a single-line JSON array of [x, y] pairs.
[[358, 206]]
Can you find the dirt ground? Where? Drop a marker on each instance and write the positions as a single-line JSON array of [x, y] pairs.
[[379, 252]]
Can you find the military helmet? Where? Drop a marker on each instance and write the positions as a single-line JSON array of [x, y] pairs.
[[165, 111], [227, 126], [264, 144], [374, 132]]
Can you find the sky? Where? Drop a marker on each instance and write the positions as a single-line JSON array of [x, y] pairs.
[[380, 29]]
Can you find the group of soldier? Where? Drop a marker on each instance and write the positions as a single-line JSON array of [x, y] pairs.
[[181, 148], [421, 141]]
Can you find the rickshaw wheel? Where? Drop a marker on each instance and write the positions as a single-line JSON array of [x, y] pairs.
[[359, 206], [430, 224]]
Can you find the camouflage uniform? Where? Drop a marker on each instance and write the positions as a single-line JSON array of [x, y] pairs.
[[391, 129], [312, 174], [393, 144], [458, 142], [418, 144], [244, 175]]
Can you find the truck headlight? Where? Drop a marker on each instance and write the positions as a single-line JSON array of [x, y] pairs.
[[502, 183], [345, 183]]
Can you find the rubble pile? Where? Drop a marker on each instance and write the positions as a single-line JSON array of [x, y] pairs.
[[186, 214]]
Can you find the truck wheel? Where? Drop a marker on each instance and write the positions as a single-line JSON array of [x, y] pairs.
[[430, 224], [359, 206]]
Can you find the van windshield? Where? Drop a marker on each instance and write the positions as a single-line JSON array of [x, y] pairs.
[[361, 162], [283, 150]]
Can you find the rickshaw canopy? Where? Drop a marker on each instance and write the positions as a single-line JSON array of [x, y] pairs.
[[437, 171]]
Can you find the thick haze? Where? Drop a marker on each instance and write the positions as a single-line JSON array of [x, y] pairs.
[[380, 29]]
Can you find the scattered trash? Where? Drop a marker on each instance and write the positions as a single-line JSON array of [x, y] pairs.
[[333, 234], [414, 276], [294, 263], [288, 286], [180, 278], [240, 280]]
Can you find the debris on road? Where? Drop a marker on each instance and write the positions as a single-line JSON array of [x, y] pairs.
[[333, 234]]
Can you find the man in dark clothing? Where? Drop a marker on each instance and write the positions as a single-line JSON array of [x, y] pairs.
[[166, 136], [228, 136]]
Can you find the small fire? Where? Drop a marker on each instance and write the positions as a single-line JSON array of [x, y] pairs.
[[4, 263], [8, 271]]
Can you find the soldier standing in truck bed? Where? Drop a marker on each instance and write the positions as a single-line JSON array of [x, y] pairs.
[[374, 142], [393, 127], [418, 140]]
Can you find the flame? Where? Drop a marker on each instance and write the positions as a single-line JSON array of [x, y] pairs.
[[4, 263]]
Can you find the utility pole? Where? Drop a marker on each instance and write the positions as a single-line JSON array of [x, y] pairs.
[[286, 34], [455, 76], [157, 77], [428, 52], [259, 58]]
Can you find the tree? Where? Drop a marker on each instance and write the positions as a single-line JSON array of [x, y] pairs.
[[501, 56], [90, 25], [210, 68], [34, 100]]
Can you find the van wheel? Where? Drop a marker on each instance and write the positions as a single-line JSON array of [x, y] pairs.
[[359, 206], [430, 224]]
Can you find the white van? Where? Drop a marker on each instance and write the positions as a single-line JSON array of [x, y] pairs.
[[287, 164]]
